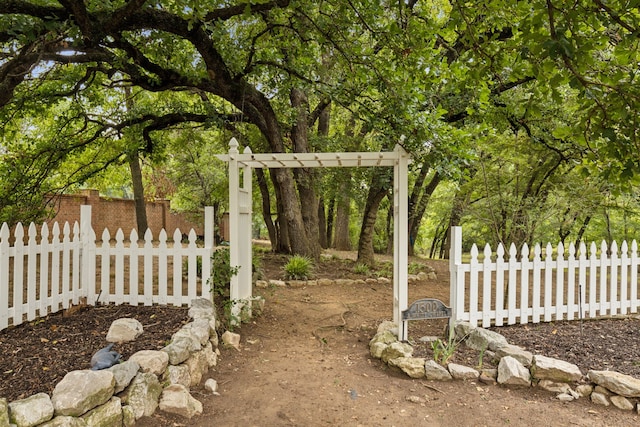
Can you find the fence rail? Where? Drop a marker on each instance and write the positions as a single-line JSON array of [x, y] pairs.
[[57, 268], [530, 287]]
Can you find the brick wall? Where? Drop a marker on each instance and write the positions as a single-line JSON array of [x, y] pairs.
[[114, 213]]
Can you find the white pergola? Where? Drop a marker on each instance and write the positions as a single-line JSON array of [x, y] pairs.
[[240, 212]]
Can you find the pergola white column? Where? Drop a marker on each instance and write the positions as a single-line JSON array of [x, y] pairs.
[[240, 210]]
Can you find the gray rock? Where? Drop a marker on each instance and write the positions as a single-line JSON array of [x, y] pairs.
[[554, 387], [81, 391], [123, 373], [548, 368], [177, 400], [31, 411], [4, 413], [390, 326], [600, 399], [412, 366], [109, 414], [385, 336], [200, 328], [395, 350], [178, 350], [210, 355], [520, 354], [621, 402], [584, 390], [376, 349], [436, 372], [142, 395], [463, 329], [513, 373], [621, 384], [202, 308], [461, 372], [128, 416], [178, 375], [64, 421], [153, 361], [198, 366], [483, 339], [188, 335], [211, 385], [124, 330], [566, 397]]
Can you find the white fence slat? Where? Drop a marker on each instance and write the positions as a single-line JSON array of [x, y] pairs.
[[526, 265], [105, 267], [148, 268], [32, 258], [192, 273], [474, 269], [500, 270], [56, 248], [572, 266], [634, 277], [614, 265], [18, 276], [537, 268], [512, 309], [66, 265], [559, 285], [604, 262], [548, 282], [624, 283], [163, 255], [75, 264], [593, 269], [487, 286], [176, 255], [44, 270], [133, 268], [4, 276], [118, 297]]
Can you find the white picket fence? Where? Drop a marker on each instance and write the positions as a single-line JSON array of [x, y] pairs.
[[55, 270], [530, 287]]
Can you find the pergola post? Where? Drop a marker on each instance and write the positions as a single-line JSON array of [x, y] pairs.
[[400, 239]]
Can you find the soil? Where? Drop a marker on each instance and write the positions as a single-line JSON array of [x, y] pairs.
[[305, 360]]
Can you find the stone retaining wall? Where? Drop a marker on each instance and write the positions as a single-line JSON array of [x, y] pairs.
[[517, 367], [122, 394]]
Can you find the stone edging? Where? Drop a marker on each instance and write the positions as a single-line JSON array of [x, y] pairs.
[[517, 367], [122, 394], [431, 275]]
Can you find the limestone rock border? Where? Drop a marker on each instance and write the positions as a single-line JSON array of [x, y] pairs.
[[516, 368], [131, 389]]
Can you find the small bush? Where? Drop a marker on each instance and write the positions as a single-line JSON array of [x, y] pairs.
[[298, 268], [361, 268], [222, 271]]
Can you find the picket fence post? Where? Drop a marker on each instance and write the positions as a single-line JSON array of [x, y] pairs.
[[456, 295]]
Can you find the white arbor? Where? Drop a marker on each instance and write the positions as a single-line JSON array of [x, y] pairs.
[[240, 211]]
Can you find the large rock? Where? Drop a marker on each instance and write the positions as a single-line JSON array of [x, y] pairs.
[[461, 372], [231, 339], [520, 354], [188, 335], [143, 393], [513, 373], [153, 361], [64, 421], [124, 330], [412, 366], [436, 372], [621, 384], [395, 350], [123, 373], [201, 329], [4, 413], [178, 375], [385, 336], [177, 400], [81, 391], [198, 366], [109, 414], [31, 411], [179, 350], [483, 339], [202, 308], [621, 402], [548, 368], [376, 349]]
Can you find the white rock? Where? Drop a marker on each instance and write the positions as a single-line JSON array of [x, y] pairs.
[[210, 355], [461, 372], [143, 393], [177, 400], [179, 350], [376, 349], [618, 383], [124, 330], [4, 413], [81, 391], [483, 339], [178, 375], [231, 339], [262, 284], [599, 399], [211, 385], [385, 336], [109, 414], [200, 328], [128, 416], [520, 354], [123, 373], [412, 366], [513, 373], [31, 411], [554, 387], [621, 402], [548, 368], [154, 361], [436, 372], [202, 308], [278, 283], [198, 366], [188, 334], [565, 397], [63, 421], [584, 390], [395, 350]]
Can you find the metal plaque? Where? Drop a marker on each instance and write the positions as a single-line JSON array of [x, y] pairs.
[[426, 308]]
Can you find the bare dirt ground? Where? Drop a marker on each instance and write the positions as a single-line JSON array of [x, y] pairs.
[[305, 362]]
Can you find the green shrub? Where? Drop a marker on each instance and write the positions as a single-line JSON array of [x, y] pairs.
[[222, 271], [298, 268], [361, 268]]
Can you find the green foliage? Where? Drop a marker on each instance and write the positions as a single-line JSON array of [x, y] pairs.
[[221, 272], [444, 350], [298, 267], [361, 268]]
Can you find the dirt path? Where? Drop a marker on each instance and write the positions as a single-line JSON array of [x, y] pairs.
[[305, 362]]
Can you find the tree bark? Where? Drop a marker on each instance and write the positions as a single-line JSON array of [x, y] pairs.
[[418, 208], [266, 208], [138, 193], [380, 185], [342, 239]]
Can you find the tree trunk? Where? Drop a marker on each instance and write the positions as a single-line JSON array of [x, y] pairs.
[[380, 185], [138, 193], [342, 241], [330, 211], [418, 206], [322, 225], [266, 208]]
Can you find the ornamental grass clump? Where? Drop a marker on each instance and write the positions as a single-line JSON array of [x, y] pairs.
[[298, 268]]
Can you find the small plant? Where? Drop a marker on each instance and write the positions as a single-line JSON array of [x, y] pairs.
[[222, 272], [361, 268], [443, 351], [481, 357], [298, 268], [414, 268]]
